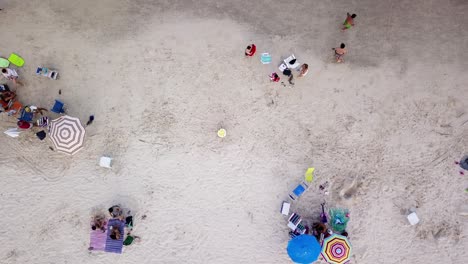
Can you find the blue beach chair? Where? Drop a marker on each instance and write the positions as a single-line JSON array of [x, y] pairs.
[[58, 107], [299, 190]]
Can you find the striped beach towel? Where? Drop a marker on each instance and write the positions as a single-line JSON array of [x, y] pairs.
[[98, 239], [113, 245]]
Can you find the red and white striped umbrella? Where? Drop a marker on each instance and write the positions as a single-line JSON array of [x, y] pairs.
[[67, 134]]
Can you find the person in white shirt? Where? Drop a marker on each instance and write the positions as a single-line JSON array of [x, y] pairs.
[[11, 75]]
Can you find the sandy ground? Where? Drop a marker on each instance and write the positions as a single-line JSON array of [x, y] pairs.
[[162, 76]]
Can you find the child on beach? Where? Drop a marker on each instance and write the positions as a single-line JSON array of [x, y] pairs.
[[349, 22], [340, 52], [303, 70]]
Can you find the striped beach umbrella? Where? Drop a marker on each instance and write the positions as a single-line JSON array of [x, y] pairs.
[[336, 249], [67, 134]]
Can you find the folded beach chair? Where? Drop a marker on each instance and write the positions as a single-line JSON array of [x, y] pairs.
[[43, 71], [58, 107], [16, 60], [113, 245], [299, 190], [265, 58], [292, 62], [4, 63]]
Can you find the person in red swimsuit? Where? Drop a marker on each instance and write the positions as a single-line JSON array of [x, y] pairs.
[[250, 50]]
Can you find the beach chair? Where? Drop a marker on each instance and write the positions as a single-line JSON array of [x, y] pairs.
[[4, 63], [26, 116], [282, 67], [265, 58], [16, 60], [43, 121], [285, 208], [114, 245], [294, 222], [291, 62], [43, 71], [58, 107], [299, 190]]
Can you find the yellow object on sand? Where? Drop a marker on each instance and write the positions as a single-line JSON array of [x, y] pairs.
[[222, 133], [309, 175]]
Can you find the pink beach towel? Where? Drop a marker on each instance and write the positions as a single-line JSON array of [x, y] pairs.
[[98, 239]]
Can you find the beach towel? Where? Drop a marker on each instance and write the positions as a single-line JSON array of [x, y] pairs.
[[98, 239], [4, 63], [16, 60], [114, 245]]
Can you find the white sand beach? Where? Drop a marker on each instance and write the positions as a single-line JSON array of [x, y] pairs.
[[161, 77]]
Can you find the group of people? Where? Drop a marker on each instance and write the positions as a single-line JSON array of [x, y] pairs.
[[99, 222], [339, 53], [322, 229], [9, 103], [304, 68]]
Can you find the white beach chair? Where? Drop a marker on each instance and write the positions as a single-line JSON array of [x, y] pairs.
[[293, 65], [282, 67], [285, 208]]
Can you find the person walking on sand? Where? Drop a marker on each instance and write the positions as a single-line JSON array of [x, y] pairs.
[[340, 52], [11, 75], [303, 70], [349, 22], [250, 50]]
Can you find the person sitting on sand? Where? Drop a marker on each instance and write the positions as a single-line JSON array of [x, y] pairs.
[[11, 75], [250, 50], [274, 77], [115, 211], [349, 22], [5, 98], [115, 233], [303, 70], [99, 223], [35, 109], [340, 52]]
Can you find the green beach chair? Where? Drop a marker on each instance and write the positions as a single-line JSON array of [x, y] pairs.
[[16, 60], [4, 63]]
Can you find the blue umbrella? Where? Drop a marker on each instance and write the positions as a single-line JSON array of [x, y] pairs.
[[304, 249]]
